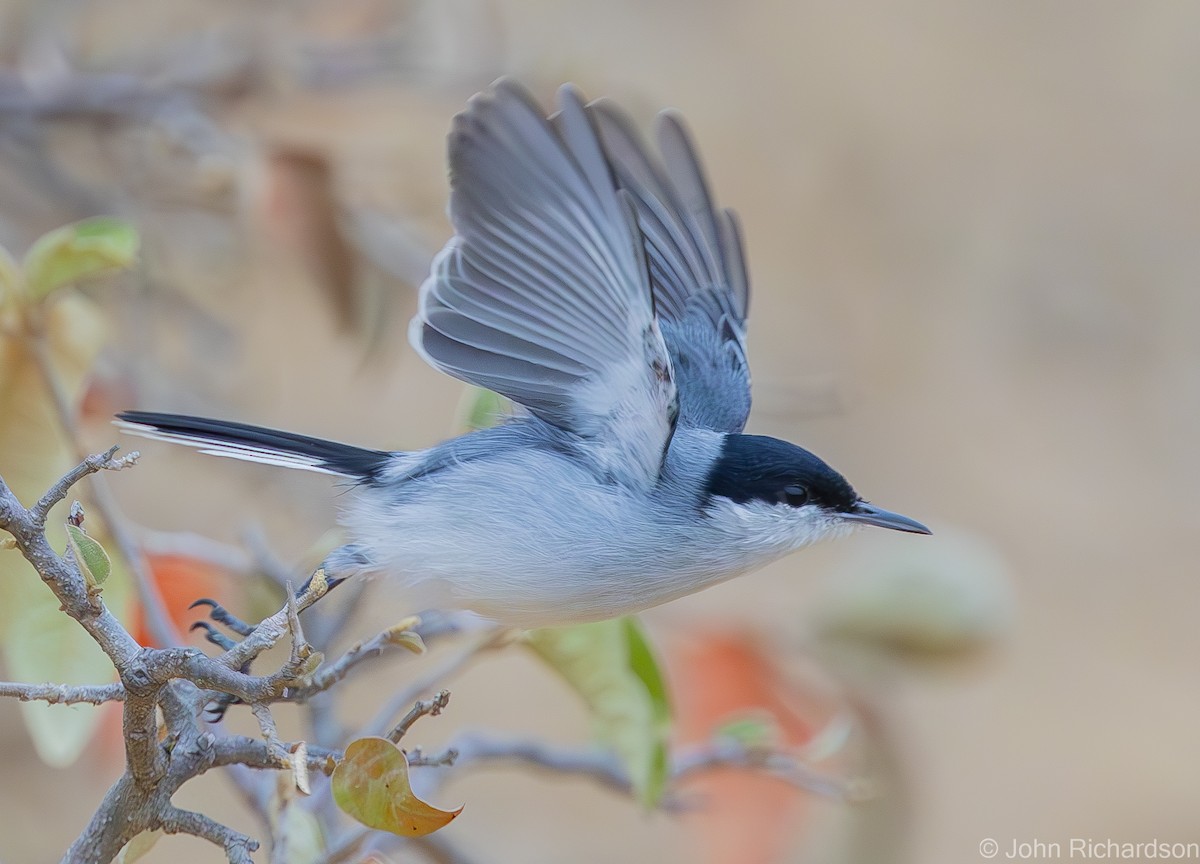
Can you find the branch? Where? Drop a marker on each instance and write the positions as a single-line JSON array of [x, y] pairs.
[[383, 719], [90, 465], [64, 694], [256, 753], [476, 749], [141, 799], [431, 707], [237, 846], [407, 633]]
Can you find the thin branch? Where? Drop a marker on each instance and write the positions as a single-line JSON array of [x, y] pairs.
[[64, 694], [270, 732], [476, 749], [90, 465], [255, 753], [237, 846], [406, 633], [438, 676], [429, 707], [271, 630]]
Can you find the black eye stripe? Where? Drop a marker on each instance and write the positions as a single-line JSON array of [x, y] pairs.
[[757, 468]]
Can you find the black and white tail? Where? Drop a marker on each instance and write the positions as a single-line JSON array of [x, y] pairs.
[[256, 444]]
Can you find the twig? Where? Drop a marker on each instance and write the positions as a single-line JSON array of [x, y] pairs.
[[90, 465], [270, 732], [475, 749], [141, 799], [237, 846], [455, 664], [406, 633], [430, 707], [255, 753], [64, 694], [271, 630], [417, 759]]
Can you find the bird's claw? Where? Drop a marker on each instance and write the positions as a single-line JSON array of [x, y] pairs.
[[223, 616], [213, 635]]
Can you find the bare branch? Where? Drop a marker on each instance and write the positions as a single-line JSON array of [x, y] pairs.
[[90, 465], [270, 732], [271, 630], [430, 707], [254, 753], [407, 633], [64, 694], [476, 749], [237, 846]]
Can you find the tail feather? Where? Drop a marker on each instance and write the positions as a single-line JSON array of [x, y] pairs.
[[257, 444]]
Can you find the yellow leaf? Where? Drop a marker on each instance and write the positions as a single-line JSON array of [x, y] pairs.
[[610, 664], [79, 251], [371, 784]]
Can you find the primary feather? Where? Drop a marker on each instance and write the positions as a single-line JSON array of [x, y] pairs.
[[696, 262]]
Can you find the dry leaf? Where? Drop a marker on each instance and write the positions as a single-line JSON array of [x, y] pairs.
[[371, 784]]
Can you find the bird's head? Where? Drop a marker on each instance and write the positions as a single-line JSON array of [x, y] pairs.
[[785, 496]]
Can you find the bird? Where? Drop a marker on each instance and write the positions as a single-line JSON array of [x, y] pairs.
[[593, 282]]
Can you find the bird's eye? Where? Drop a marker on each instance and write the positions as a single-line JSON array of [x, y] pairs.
[[793, 496]]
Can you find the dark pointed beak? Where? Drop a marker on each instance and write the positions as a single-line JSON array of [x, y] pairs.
[[869, 514]]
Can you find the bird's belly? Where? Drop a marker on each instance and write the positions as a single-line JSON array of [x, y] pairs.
[[556, 564]]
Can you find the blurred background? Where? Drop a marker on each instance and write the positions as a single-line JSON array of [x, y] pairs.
[[972, 232]]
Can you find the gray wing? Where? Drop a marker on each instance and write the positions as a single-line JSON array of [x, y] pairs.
[[697, 266], [543, 294]]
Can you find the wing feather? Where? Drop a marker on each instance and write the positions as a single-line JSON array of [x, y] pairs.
[[696, 266], [544, 294]]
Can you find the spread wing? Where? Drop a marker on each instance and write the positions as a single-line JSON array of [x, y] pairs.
[[543, 293], [697, 266]]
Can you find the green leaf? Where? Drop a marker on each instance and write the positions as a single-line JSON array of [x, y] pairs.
[[480, 409], [89, 555], [611, 665], [371, 784], [79, 251]]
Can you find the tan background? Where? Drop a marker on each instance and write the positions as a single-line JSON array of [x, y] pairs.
[[973, 240]]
